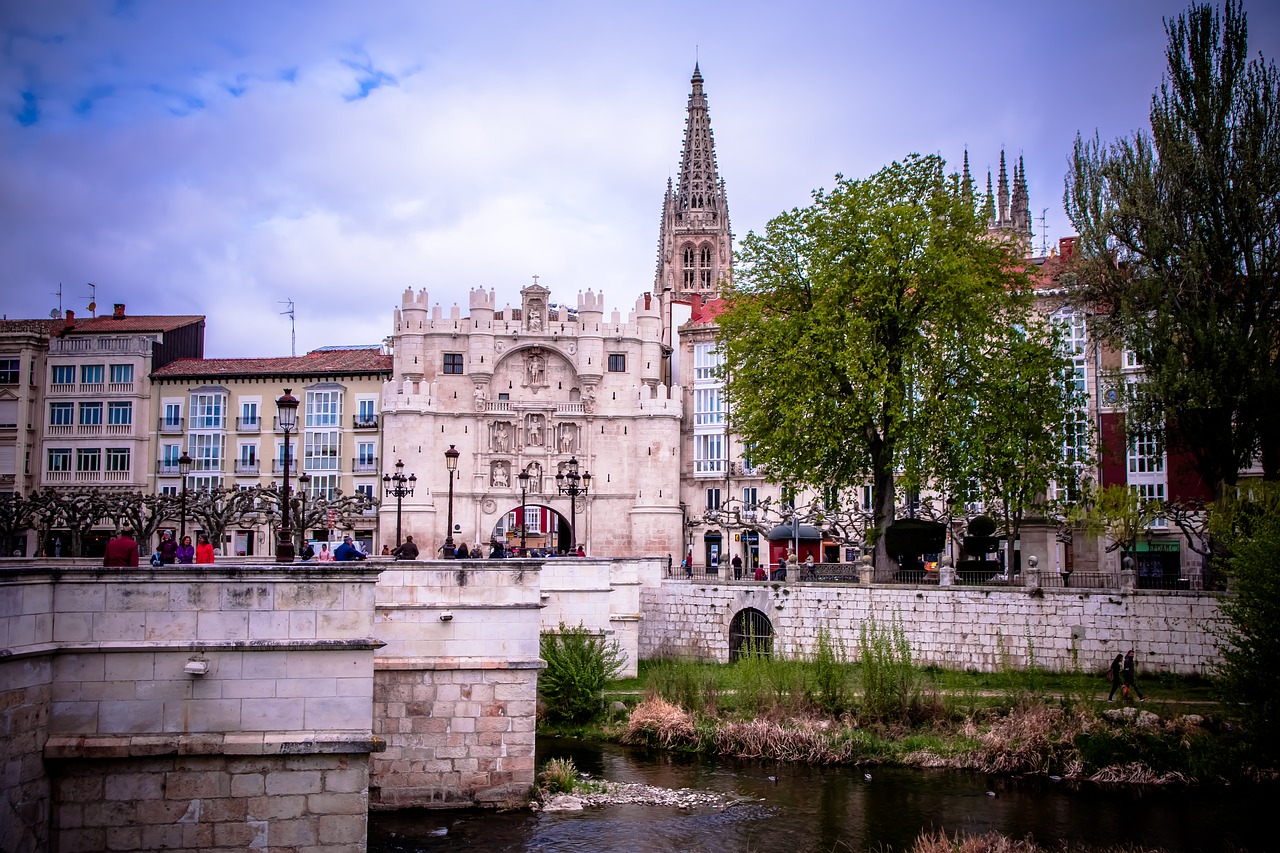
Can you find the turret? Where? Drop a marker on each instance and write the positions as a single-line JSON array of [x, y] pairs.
[[480, 341], [409, 346], [591, 337]]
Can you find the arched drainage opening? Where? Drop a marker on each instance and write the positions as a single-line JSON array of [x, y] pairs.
[[750, 634]]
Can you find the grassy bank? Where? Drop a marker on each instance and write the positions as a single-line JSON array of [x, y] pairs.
[[883, 709]]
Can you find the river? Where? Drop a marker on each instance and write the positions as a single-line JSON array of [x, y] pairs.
[[801, 809]]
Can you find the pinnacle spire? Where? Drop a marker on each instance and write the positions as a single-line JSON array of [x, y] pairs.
[[966, 182], [696, 189], [1002, 194], [991, 203]]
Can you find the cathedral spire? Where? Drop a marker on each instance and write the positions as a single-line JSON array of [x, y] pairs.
[[966, 182], [1002, 195], [991, 203], [696, 190]]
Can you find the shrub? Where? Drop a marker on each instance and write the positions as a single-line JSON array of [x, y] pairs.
[[688, 683], [559, 776], [579, 665], [831, 675], [890, 683]]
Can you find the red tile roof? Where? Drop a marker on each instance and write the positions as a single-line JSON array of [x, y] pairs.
[[312, 364], [39, 327], [114, 325]]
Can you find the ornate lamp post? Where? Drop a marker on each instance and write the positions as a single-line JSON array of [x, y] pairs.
[[451, 463], [287, 409], [523, 477], [304, 485], [399, 486], [184, 468], [572, 484]]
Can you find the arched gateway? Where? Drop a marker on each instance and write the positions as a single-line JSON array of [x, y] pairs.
[[750, 633]]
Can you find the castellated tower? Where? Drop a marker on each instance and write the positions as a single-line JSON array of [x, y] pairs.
[[526, 390]]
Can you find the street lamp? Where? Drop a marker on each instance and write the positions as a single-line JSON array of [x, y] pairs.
[[523, 477], [451, 463], [287, 409], [399, 486], [570, 483], [184, 468], [304, 485]]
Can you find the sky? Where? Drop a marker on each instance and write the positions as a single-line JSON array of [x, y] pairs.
[[226, 158]]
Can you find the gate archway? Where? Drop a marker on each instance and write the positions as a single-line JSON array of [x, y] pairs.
[[546, 530], [750, 633]]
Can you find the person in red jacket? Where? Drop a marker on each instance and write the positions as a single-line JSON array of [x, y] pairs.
[[121, 551], [204, 550]]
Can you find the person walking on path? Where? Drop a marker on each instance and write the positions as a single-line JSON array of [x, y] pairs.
[[204, 550], [186, 552], [1114, 676], [736, 562], [406, 550], [121, 551], [1129, 683]]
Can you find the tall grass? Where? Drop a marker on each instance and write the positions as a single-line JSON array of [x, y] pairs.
[[890, 680], [831, 691]]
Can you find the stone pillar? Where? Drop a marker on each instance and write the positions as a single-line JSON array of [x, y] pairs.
[[1032, 573], [946, 572], [867, 572], [1128, 577]]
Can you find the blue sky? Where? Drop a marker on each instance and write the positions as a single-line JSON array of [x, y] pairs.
[[220, 158]]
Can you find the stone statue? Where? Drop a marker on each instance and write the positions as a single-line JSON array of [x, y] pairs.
[[537, 369], [535, 320], [501, 476], [566, 438], [534, 437], [479, 394], [535, 477], [589, 399], [501, 437]]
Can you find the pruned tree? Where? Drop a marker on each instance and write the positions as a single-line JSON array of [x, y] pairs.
[[217, 509], [317, 508], [850, 321], [16, 518], [1179, 247], [146, 513]]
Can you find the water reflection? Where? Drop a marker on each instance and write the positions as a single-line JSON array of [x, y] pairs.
[[801, 809]]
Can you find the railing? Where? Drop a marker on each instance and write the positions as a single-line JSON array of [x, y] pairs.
[[120, 387], [58, 429], [165, 425], [62, 388], [93, 387], [243, 467], [88, 429], [364, 421], [58, 345], [1166, 581], [365, 466], [277, 466], [119, 429], [249, 424], [570, 408], [57, 476], [499, 406], [1080, 580], [88, 476], [167, 469], [116, 477]]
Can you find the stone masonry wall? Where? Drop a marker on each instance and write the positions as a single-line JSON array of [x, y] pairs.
[[954, 627]]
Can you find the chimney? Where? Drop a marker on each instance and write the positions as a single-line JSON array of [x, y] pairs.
[[69, 322], [1066, 247], [118, 311]]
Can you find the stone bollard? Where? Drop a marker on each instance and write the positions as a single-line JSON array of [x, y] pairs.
[[867, 572], [946, 572], [1128, 577], [1032, 579]]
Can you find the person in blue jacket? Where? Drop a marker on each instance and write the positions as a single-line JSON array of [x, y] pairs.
[[347, 551]]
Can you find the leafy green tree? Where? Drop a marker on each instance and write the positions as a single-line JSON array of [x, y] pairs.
[[579, 665], [1179, 247], [851, 325]]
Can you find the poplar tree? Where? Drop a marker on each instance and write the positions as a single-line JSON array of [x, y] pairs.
[[1179, 248]]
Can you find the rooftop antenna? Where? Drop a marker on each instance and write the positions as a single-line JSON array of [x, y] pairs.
[[1044, 232], [92, 299], [58, 293], [293, 328]]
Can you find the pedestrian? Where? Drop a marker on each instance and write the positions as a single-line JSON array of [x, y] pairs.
[[347, 552], [326, 556], [406, 550], [760, 573], [496, 550], [386, 550], [809, 572], [464, 553], [186, 554], [306, 553], [780, 573], [688, 565], [1113, 675], [204, 550], [168, 549], [1129, 682], [121, 551], [581, 552], [736, 562]]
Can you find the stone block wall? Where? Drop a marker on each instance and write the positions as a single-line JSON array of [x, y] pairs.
[[456, 683], [954, 627], [602, 596]]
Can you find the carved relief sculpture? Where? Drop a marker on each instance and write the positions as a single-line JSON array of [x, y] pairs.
[[501, 477], [589, 399], [480, 395]]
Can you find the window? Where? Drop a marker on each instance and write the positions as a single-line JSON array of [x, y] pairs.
[[617, 362], [121, 373], [365, 489], [1144, 455], [91, 414], [208, 411], [708, 454], [788, 497], [88, 460], [453, 363], [706, 358], [324, 408], [321, 453], [10, 371], [533, 520], [365, 453], [61, 414], [713, 498], [173, 414], [249, 414], [118, 459], [689, 270], [704, 267], [867, 504], [1129, 360], [750, 497], [59, 459], [91, 374], [831, 497], [204, 483], [120, 414], [366, 413], [170, 454], [64, 374], [169, 490], [324, 486], [248, 455], [1075, 340], [206, 451], [707, 408]]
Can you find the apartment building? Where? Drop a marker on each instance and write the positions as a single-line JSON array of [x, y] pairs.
[[24, 348]]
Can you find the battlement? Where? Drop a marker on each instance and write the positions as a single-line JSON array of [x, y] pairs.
[[667, 401], [482, 299], [399, 396], [591, 301], [418, 300]]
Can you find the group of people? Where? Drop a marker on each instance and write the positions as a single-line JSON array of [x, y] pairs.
[[346, 552], [1122, 676], [123, 550]]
